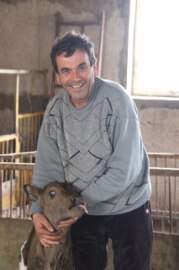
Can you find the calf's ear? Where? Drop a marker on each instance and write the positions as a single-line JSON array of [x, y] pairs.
[[32, 192]]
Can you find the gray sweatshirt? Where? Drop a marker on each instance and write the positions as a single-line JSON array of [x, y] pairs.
[[97, 148]]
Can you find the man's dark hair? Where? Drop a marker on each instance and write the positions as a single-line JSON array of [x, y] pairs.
[[68, 44]]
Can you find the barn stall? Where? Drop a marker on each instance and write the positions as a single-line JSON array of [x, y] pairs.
[[16, 170]]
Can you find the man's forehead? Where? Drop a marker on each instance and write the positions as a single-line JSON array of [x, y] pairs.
[[77, 58]]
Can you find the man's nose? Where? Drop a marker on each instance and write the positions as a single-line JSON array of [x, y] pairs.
[[75, 75]]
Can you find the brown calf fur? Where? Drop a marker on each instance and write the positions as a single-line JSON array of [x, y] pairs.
[[60, 201]]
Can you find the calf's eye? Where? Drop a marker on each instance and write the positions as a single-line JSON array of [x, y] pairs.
[[52, 194], [72, 200]]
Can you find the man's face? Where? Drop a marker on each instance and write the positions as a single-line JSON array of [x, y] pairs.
[[76, 75]]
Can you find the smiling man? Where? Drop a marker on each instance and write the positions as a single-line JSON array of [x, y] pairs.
[[76, 75], [90, 137]]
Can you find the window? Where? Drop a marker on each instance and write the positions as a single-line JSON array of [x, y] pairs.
[[153, 68]]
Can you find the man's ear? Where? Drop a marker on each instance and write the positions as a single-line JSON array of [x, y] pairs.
[[95, 70], [32, 192], [57, 79]]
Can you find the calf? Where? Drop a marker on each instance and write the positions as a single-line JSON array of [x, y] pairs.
[[60, 202]]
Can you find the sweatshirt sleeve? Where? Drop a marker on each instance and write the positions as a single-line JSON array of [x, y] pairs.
[[124, 165], [48, 165]]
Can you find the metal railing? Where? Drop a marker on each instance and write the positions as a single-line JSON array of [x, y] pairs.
[[26, 125], [165, 200], [7, 143], [28, 157], [164, 160], [16, 169], [29, 126], [13, 202]]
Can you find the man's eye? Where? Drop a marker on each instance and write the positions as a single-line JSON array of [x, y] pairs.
[[65, 71], [52, 194], [82, 67]]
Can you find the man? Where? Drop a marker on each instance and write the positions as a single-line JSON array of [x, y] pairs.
[[91, 137]]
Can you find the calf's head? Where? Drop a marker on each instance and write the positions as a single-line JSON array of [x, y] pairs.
[[59, 201]]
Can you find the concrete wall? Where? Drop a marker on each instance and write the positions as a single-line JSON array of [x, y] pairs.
[[160, 129], [13, 233]]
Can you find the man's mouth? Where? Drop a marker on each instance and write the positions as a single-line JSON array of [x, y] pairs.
[[78, 85]]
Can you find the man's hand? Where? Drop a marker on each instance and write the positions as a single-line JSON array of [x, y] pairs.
[[65, 223], [45, 231], [68, 222]]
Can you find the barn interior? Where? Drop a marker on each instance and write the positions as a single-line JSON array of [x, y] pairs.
[[28, 29]]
